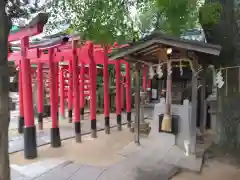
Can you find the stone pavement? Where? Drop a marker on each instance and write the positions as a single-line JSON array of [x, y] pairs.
[[145, 163], [142, 163]]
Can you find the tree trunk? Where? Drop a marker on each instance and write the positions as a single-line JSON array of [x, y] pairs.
[[227, 34], [4, 89]]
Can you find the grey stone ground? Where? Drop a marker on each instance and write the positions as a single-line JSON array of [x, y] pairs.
[[142, 164], [145, 164]]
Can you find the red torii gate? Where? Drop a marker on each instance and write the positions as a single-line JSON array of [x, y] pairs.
[[56, 52]]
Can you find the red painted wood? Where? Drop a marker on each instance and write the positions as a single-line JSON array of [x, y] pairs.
[[53, 91], [106, 86], [92, 79], [27, 85], [118, 87], [70, 86], [82, 72], [75, 70], [40, 87], [62, 92]]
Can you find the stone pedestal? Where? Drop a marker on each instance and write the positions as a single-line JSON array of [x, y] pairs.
[[184, 124], [144, 127]]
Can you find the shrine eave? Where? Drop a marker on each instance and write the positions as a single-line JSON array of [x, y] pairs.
[[149, 48]]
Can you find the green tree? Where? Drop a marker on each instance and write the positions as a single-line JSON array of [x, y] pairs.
[[220, 21], [172, 17], [59, 15], [103, 22]]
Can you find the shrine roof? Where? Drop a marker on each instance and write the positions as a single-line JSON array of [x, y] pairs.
[[150, 47]]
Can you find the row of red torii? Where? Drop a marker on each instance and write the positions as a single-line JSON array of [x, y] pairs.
[[59, 50]]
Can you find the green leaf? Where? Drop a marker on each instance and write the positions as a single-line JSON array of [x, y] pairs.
[[103, 22]]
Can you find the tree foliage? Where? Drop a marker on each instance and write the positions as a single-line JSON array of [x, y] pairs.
[[178, 15], [110, 21], [102, 21], [60, 15], [210, 13], [21, 10]]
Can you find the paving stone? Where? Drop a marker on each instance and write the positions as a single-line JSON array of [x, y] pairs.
[[87, 173], [63, 172]]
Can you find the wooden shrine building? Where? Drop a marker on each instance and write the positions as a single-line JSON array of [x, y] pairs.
[[169, 52]]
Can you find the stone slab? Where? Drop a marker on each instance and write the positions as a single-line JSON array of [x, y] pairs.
[[38, 168], [61, 172], [129, 149], [147, 163], [87, 173], [15, 175], [176, 157], [73, 171]]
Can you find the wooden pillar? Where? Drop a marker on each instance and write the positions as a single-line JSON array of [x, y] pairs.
[[144, 80], [137, 103], [40, 95], [193, 122], [167, 118], [30, 144], [203, 114], [128, 94], [70, 91], [20, 92], [82, 96], [55, 133], [169, 92], [93, 91], [149, 85], [62, 94], [56, 72], [118, 95], [106, 92], [122, 94], [76, 99]]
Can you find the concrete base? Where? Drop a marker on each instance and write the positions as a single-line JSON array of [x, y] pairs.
[[184, 131], [170, 146], [144, 127]]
